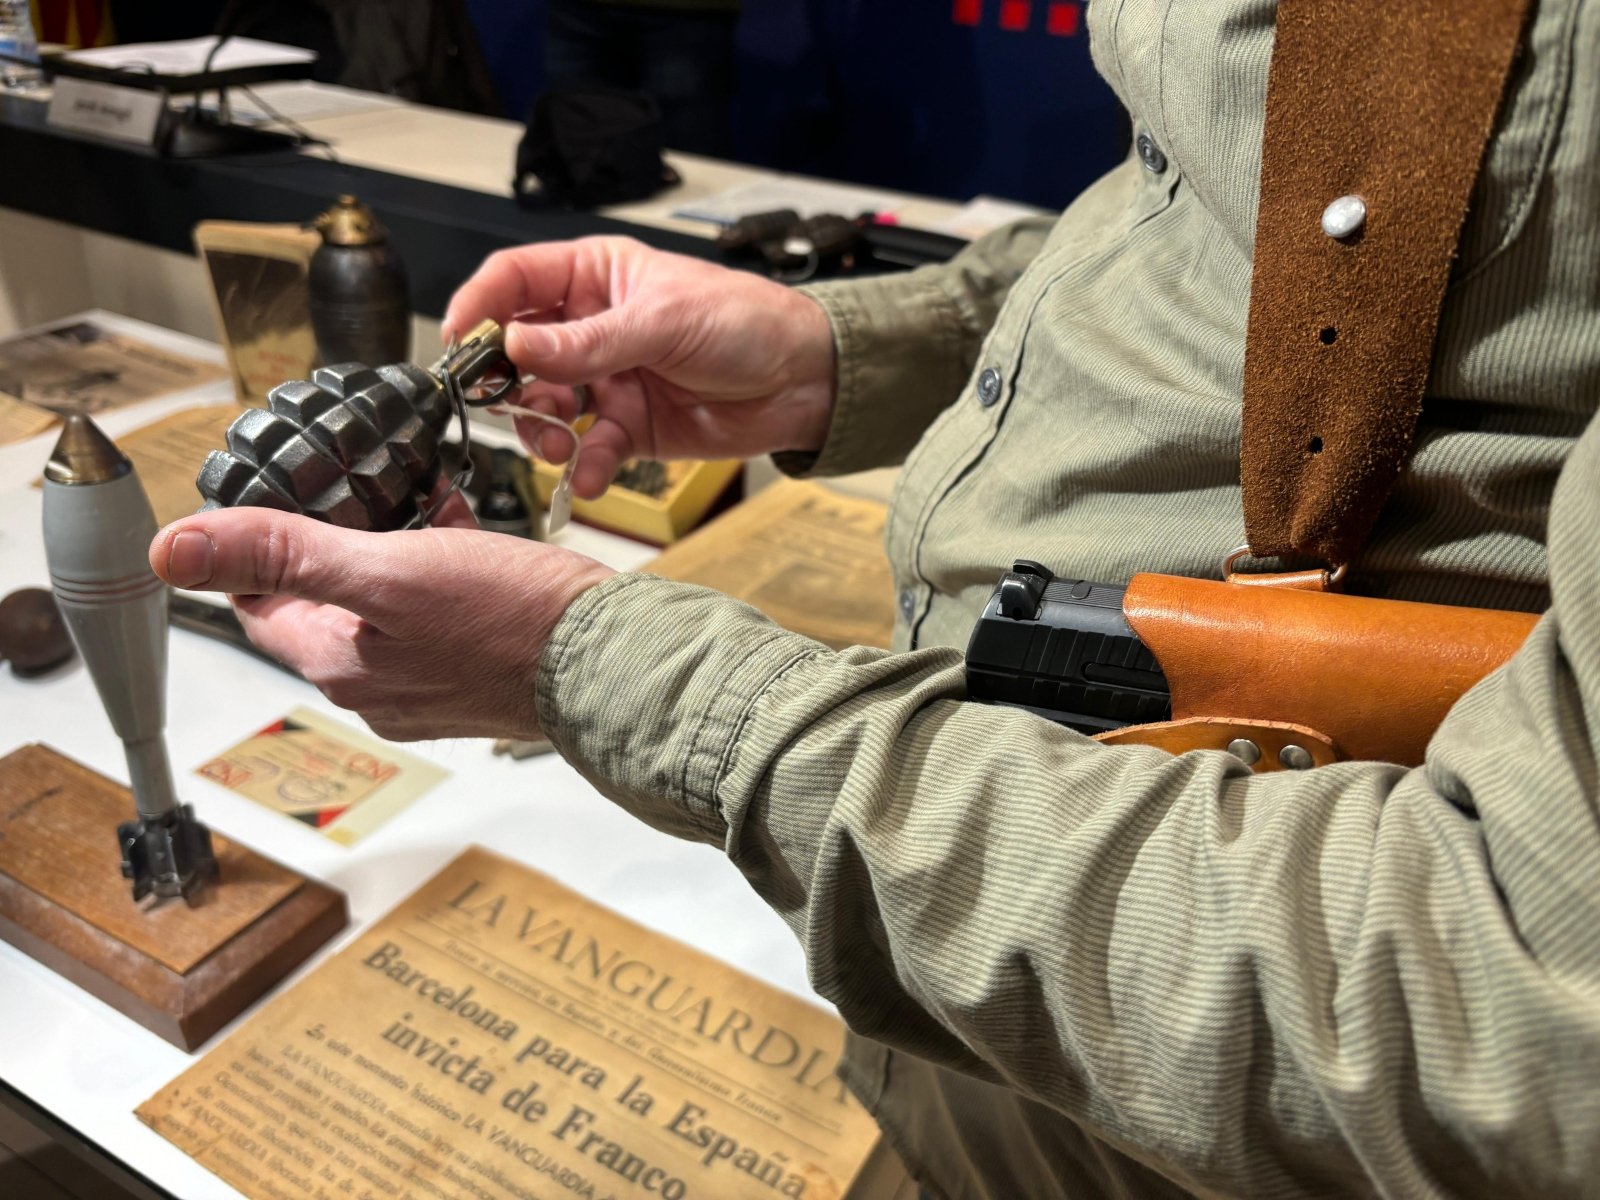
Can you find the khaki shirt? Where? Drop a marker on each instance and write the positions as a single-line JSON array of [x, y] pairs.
[[1087, 971]]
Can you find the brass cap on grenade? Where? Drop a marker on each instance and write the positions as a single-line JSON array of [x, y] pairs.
[[349, 223]]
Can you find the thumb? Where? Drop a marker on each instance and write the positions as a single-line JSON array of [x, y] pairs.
[[584, 350], [262, 552]]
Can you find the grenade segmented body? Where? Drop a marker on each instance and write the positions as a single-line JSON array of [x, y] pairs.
[[354, 446]]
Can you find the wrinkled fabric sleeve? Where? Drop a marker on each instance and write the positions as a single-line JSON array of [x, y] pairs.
[[1253, 983], [905, 344]]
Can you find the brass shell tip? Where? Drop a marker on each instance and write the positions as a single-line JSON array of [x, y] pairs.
[[349, 222], [84, 454]]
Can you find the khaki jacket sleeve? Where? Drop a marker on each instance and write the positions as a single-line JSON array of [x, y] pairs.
[[905, 345], [1254, 983]]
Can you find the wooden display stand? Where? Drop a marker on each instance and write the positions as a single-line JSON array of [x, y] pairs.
[[181, 972]]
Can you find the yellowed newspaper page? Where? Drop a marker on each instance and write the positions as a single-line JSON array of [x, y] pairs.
[[499, 1037], [19, 421], [83, 366], [168, 454], [810, 558]]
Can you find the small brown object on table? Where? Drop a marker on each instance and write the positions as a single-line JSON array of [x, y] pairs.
[[32, 634], [181, 972]]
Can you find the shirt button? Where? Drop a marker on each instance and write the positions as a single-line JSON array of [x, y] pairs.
[[908, 602], [1150, 155], [988, 386]]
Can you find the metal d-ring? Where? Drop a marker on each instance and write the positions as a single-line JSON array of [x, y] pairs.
[[1331, 576], [507, 385]]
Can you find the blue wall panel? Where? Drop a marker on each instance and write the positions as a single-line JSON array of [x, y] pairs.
[[898, 93], [511, 35]]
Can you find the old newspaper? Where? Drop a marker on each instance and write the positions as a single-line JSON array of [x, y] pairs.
[[168, 455], [84, 366], [498, 1037], [810, 558]]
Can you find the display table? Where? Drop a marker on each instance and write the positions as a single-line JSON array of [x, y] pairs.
[[439, 180], [87, 1067]]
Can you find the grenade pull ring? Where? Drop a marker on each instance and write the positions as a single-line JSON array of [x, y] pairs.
[[464, 364], [474, 362], [477, 357]]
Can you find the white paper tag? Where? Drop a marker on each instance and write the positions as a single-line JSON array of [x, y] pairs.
[[561, 499], [560, 507], [108, 111], [126, 114]]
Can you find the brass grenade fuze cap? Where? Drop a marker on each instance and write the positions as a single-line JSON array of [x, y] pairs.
[[83, 454], [349, 223]]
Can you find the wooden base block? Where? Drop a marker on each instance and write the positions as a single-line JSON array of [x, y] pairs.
[[181, 972]]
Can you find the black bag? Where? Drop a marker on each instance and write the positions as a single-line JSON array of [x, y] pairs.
[[588, 146]]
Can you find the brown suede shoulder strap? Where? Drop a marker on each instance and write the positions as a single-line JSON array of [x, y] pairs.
[[1391, 102]]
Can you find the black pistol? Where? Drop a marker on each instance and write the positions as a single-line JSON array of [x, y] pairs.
[[1062, 648]]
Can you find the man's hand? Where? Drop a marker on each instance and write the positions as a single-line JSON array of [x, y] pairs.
[[426, 634], [682, 358]]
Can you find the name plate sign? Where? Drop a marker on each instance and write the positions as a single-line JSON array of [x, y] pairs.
[[499, 1037], [106, 110]]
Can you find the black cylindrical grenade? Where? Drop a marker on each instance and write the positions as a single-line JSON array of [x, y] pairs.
[[501, 510], [360, 306]]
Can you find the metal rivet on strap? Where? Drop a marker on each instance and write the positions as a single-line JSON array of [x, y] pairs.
[[1245, 751], [1295, 758], [1344, 216]]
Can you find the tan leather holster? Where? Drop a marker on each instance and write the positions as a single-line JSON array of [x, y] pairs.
[[1340, 677]]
